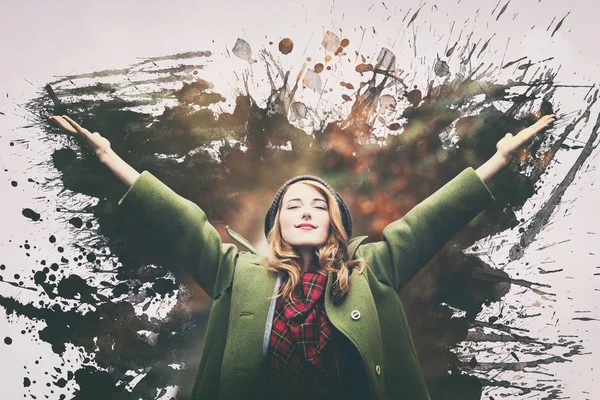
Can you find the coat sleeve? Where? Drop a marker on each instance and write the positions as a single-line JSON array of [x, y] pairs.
[[410, 242], [182, 228]]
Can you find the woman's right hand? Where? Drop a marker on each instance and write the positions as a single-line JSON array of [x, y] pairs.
[[94, 141]]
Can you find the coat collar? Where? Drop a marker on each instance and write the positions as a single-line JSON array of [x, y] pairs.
[[240, 240]]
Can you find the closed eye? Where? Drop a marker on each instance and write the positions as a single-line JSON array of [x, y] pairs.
[[293, 207]]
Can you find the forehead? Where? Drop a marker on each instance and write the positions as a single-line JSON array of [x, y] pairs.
[[303, 191]]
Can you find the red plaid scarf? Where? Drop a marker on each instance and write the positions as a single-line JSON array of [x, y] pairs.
[[301, 330]]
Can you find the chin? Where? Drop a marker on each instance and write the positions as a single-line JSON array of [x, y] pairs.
[[306, 243]]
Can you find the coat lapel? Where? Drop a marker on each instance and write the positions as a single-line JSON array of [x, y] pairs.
[[243, 356], [357, 319]]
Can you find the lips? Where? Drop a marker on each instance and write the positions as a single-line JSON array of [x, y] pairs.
[[306, 226]]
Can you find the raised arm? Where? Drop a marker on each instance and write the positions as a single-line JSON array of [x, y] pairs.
[[183, 229], [100, 146], [410, 242], [509, 146], [179, 225]]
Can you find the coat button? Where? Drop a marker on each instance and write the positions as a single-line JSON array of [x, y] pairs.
[[378, 370], [355, 315]]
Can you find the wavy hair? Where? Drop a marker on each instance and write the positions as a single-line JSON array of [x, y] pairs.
[[332, 255]]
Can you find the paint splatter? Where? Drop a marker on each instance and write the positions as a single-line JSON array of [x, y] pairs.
[[286, 46], [32, 215], [312, 80], [559, 24], [331, 42], [242, 49]]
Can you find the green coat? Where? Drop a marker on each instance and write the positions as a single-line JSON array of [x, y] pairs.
[[239, 284]]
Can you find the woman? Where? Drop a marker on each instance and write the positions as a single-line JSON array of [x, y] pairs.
[[320, 316]]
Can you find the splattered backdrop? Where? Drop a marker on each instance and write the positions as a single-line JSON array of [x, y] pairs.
[[223, 103]]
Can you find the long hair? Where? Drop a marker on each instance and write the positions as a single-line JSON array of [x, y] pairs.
[[332, 255]]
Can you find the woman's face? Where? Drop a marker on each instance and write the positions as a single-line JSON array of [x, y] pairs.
[[304, 216]]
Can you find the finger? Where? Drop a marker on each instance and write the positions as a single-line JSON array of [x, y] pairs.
[[548, 117], [75, 125], [63, 124]]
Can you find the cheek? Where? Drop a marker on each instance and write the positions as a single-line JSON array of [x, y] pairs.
[[285, 222], [325, 223]]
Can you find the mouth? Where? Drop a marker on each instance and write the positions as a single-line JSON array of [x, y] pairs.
[[306, 226]]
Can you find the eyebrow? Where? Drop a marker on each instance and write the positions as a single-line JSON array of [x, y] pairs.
[[298, 199]]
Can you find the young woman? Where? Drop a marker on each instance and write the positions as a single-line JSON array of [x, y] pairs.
[[320, 316]]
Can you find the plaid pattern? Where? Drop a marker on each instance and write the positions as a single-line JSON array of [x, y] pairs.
[[299, 362]]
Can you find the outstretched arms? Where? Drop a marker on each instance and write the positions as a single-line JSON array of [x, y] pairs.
[[100, 146], [183, 229], [410, 242], [178, 225], [509, 146]]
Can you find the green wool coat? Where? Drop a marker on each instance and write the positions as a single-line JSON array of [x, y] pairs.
[[371, 317]]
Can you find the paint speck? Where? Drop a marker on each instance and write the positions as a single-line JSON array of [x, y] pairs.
[[363, 68], [76, 222], [308, 59], [61, 383], [26, 382], [312, 80], [242, 49], [319, 68], [299, 109], [344, 42], [13, 183], [414, 97], [286, 46], [441, 68], [327, 58], [52, 239], [387, 103], [331, 41], [7, 340], [559, 24], [29, 213]]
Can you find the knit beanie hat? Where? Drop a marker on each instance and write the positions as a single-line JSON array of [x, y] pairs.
[[346, 217]]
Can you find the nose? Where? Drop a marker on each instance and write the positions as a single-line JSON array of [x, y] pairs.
[[306, 215]]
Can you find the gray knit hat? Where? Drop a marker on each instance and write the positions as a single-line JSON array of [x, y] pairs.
[[346, 217]]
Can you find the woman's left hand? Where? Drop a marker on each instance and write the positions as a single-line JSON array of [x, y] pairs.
[[508, 147]]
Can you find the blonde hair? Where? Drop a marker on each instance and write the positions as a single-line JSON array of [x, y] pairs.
[[332, 255]]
